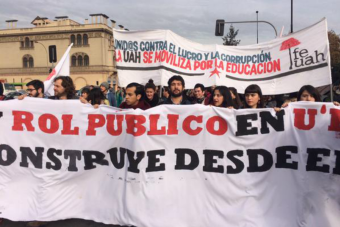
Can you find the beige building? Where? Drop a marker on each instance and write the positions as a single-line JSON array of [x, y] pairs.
[[24, 52]]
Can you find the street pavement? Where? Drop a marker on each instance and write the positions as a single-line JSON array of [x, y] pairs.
[[62, 223]]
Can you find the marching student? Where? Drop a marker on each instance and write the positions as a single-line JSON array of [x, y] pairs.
[[221, 97], [253, 97], [151, 96]]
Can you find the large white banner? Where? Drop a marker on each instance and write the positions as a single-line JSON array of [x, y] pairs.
[[169, 166], [282, 65]]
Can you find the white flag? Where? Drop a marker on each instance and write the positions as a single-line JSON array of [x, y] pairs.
[[61, 69]]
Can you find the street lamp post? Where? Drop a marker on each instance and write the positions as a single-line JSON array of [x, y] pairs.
[[45, 51], [257, 24], [220, 25], [291, 16]]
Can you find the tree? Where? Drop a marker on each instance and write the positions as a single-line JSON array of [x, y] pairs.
[[230, 38], [334, 47]]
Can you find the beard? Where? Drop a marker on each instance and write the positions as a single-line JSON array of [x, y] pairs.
[[176, 95]]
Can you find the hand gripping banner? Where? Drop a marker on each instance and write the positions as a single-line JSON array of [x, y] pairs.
[[170, 165]]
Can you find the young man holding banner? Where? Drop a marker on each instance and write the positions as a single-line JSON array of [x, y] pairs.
[[176, 88], [134, 97]]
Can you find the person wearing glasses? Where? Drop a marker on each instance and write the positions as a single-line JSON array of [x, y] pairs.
[[35, 89]]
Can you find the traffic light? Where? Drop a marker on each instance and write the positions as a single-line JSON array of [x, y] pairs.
[[52, 50], [219, 30]]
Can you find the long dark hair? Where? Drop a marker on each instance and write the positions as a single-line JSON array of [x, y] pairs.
[[68, 84], [254, 88], [227, 100], [236, 101], [311, 90], [96, 96]]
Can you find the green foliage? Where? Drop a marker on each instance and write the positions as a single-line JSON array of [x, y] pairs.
[[334, 46], [230, 38]]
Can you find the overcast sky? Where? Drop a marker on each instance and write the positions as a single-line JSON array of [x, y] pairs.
[[192, 19]]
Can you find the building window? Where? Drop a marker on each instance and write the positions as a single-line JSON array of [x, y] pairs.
[[27, 42], [73, 39], [80, 60], [28, 61], [85, 39], [74, 61], [78, 40], [22, 44], [25, 62], [86, 60]]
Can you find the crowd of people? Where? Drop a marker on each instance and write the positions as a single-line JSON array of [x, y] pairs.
[[144, 97]]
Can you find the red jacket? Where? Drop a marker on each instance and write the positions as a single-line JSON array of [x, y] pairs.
[[141, 105]]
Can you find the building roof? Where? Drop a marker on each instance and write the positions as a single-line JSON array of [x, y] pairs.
[[99, 14]]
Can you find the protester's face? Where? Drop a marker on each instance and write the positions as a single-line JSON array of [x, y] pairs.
[[59, 90], [198, 93], [84, 95], [252, 99], [176, 88], [131, 98], [218, 98], [31, 91], [306, 96], [165, 93], [102, 88], [149, 93]]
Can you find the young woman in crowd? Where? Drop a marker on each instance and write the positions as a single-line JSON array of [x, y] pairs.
[[95, 98], [85, 92], [253, 97], [307, 93], [151, 96], [237, 104], [221, 97]]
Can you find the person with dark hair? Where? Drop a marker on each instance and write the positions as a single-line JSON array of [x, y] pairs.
[[151, 95], [95, 98], [134, 97], [309, 93], [221, 97], [199, 92], [237, 104], [35, 89], [253, 97], [165, 94], [2, 97], [64, 88], [85, 92], [105, 88], [177, 97]]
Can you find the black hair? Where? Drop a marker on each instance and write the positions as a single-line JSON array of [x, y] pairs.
[[37, 84], [200, 86], [139, 89], [151, 85], [1, 89], [237, 101], [68, 84], [176, 77], [254, 88], [86, 90], [311, 90], [224, 91], [96, 96]]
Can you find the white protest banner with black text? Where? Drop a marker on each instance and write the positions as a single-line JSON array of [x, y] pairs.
[[282, 65], [171, 165]]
